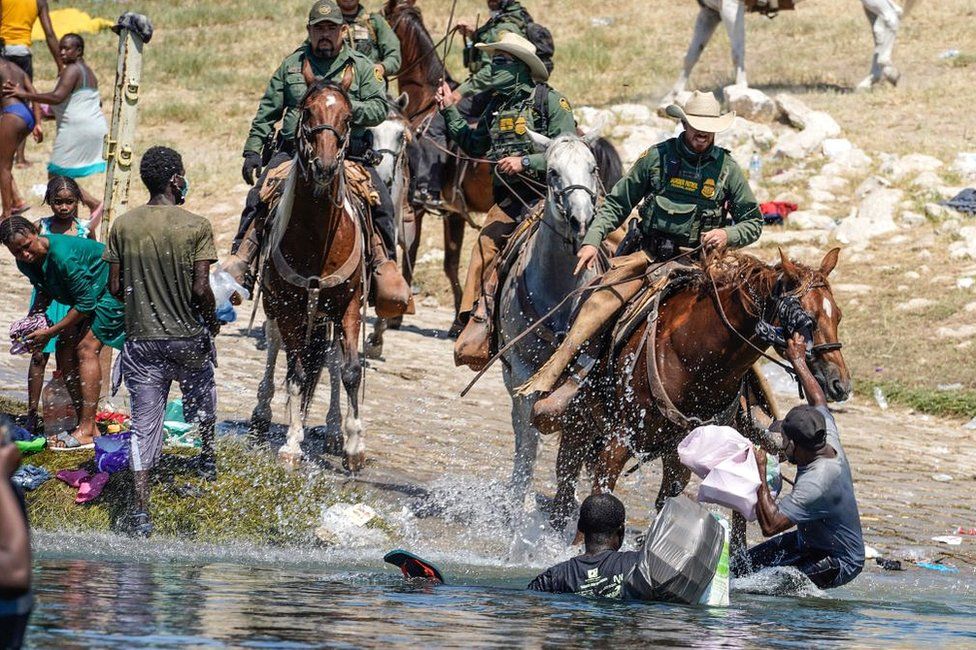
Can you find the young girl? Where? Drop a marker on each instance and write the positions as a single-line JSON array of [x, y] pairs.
[[17, 119], [64, 196]]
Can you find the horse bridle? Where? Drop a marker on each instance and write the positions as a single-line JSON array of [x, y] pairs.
[[303, 137], [785, 306], [561, 196]]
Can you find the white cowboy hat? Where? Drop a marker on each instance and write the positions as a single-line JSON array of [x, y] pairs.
[[521, 49], [703, 112]]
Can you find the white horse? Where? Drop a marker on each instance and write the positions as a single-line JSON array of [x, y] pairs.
[[884, 17], [390, 140], [539, 279]]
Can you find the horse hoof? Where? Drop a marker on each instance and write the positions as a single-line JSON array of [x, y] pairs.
[[290, 459], [354, 462], [372, 350]]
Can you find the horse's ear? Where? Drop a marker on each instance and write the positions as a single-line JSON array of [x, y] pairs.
[[829, 261], [403, 101], [790, 269], [347, 77], [540, 141], [307, 73], [593, 134]]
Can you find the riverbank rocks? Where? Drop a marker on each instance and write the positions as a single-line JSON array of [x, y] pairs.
[[793, 110], [810, 220], [910, 165], [916, 305], [751, 103], [818, 127], [965, 247], [875, 216], [965, 164]]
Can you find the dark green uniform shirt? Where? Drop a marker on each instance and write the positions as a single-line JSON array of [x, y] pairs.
[[512, 18], [503, 128], [371, 35], [74, 274], [684, 194], [287, 87]]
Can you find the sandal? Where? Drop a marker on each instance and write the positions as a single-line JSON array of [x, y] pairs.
[[66, 442]]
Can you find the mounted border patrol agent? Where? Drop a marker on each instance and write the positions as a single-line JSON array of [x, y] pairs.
[[688, 189], [281, 100], [472, 94], [370, 35], [519, 101]]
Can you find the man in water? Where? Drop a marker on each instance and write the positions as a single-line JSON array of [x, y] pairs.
[[602, 568], [827, 545], [16, 600]]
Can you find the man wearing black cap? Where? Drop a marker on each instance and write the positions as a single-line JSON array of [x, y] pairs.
[[827, 545], [602, 569]]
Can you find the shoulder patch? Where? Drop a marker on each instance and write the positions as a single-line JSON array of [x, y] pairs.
[[377, 74], [564, 104]]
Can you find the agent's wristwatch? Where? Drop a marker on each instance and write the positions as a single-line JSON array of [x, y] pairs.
[[525, 163]]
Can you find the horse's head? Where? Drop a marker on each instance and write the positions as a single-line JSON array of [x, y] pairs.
[[324, 125], [390, 138], [573, 182], [812, 290]]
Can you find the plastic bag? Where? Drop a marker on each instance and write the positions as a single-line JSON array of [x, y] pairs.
[[679, 556], [717, 594], [733, 484], [224, 286], [706, 447], [112, 452]]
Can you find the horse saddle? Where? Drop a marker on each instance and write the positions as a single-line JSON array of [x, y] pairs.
[[358, 180], [643, 307]]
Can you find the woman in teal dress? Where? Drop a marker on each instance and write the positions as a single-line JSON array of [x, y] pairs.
[[64, 197], [70, 270]]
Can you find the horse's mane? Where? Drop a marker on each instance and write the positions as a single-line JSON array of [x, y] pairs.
[[751, 277], [431, 65]]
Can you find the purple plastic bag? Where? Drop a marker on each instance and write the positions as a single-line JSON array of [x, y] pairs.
[[112, 452]]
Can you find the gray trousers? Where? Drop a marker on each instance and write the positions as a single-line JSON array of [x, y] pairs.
[[149, 368]]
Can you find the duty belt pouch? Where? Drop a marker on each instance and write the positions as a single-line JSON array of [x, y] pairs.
[[673, 219]]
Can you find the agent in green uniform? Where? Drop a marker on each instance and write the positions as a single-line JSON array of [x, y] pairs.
[[690, 192], [329, 55], [470, 97], [370, 35], [70, 270], [515, 106]]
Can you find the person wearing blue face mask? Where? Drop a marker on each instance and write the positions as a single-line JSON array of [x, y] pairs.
[[160, 256], [515, 106]]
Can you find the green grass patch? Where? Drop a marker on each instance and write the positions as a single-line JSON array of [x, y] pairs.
[[950, 403]]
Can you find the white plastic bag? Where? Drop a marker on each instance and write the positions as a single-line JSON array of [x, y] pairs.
[[733, 484], [706, 447], [224, 286]]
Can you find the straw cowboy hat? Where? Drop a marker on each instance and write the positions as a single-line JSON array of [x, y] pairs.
[[703, 112], [521, 49]]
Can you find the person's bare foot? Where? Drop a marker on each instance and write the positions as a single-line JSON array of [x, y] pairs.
[[86, 435]]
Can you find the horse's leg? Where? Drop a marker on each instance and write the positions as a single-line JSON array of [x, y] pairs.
[[734, 17], [705, 25], [374, 342], [291, 452], [884, 19], [453, 240], [526, 449], [574, 447], [352, 374], [674, 478], [737, 542], [261, 416]]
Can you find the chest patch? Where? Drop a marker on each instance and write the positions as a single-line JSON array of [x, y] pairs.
[[684, 184], [708, 188], [520, 125], [360, 33], [506, 124]]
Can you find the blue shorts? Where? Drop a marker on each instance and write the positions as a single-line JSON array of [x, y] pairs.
[[21, 111]]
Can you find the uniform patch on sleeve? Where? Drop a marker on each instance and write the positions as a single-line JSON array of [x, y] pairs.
[[564, 104], [377, 74]]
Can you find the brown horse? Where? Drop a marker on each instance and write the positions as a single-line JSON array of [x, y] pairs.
[[701, 359], [313, 281]]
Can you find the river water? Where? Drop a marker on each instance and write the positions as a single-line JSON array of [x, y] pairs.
[[109, 592]]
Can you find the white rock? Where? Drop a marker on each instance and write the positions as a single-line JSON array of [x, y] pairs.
[[744, 132], [964, 283], [833, 147], [809, 220], [819, 127], [875, 216], [916, 305], [631, 113], [928, 180], [588, 117], [912, 275], [913, 163], [788, 237], [936, 211], [965, 164], [639, 140], [794, 110], [970, 307], [787, 197], [827, 183], [821, 196], [961, 332], [869, 185], [742, 155], [848, 163], [852, 288], [750, 103], [786, 176], [680, 99]]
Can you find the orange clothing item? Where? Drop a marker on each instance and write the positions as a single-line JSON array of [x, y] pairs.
[[17, 20]]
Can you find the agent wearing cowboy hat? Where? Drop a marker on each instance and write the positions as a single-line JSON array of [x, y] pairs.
[[686, 191], [502, 135]]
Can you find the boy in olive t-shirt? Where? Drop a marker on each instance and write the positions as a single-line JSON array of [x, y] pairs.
[[160, 256]]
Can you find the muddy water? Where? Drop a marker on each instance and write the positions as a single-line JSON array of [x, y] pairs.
[[157, 594]]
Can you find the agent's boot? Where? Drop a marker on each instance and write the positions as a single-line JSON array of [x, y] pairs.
[[391, 297], [547, 413], [473, 345]]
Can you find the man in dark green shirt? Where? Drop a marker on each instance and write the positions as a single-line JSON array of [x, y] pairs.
[[470, 96], [370, 35], [689, 192], [329, 56], [502, 135]]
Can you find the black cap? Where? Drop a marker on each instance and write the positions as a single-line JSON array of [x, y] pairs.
[[325, 10], [805, 425]]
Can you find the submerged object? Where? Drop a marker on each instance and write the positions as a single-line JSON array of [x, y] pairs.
[[680, 554], [413, 566]]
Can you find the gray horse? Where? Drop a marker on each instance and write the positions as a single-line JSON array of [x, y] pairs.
[[539, 279]]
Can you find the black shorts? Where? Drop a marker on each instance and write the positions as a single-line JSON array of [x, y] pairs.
[[23, 61]]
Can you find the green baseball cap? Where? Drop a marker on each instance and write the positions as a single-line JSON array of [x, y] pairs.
[[325, 10]]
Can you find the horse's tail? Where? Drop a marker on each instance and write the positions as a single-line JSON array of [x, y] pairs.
[[608, 162]]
